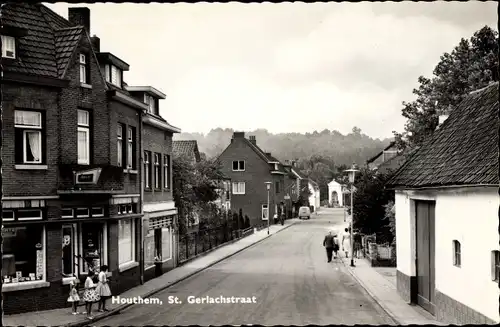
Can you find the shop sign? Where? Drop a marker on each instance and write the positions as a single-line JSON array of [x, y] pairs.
[[90, 176], [9, 231]]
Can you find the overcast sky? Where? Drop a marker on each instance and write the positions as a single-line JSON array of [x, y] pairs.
[[289, 67]]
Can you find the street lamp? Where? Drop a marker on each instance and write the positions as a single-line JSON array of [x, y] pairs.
[[268, 186], [352, 175]]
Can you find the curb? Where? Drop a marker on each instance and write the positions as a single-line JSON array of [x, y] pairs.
[[117, 310], [370, 293]]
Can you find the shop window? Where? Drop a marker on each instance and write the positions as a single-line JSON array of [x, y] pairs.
[[93, 246], [126, 244], [152, 247], [82, 212], [23, 258], [29, 214], [68, 250], [67, 213], [166, 243]]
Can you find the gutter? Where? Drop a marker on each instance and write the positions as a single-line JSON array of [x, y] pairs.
[[401, 188], [141, 197], [159, 124], [125, 99]]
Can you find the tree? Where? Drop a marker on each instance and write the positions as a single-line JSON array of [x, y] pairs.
[[470, 66], [370, 198]]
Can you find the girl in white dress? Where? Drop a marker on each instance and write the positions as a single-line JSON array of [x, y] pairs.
[[103, 288], [73, 298], [89, 295], [346, 242]]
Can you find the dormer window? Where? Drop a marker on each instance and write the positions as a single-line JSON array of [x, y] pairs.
[[8, 47], [84, 69], [275, 166], [150, 101], [114, 75]]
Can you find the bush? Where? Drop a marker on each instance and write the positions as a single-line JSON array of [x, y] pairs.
[[247, 222]]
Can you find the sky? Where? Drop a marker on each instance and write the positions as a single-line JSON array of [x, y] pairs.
[[287, 67]]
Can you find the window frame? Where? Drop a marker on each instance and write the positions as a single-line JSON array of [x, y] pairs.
[[151, 103], [157, 170], [5, 49], [8, 219], [166, 172], [120, 145], [277, 187], [103, 251], [238, 187], [457, 254], [264, 208], [25, 129], [85, 128], [83, 68], [130, 147], [40, 217], [133, 243], [147, 170], [239, 164], [115, 72], [74, 251]]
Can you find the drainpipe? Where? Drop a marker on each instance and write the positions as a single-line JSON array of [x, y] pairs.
[[141, 196]]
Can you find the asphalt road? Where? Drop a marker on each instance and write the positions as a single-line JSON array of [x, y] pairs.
[[287, 274]]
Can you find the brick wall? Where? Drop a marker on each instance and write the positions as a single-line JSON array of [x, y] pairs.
[[255, 174], [451, 311], [156, 140], [17, 182]]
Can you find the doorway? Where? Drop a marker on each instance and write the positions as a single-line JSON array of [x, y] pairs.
[[425, 254]]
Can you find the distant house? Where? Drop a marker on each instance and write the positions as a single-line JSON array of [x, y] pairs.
[[249, 168], [383, 156], [187, 148], [446, 200], [314, 198], [335, 194]]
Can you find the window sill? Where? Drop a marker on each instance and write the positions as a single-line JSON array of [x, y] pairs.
[[166, 260], [86, 86], [129, 265], [68, 280], [108, 274], [24, 286], [130, 171], [31, 167]]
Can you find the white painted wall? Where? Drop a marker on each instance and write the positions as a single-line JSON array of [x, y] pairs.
[[469, 216], [314, 199], [335, 186]]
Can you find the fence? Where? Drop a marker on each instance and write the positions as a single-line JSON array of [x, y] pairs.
[[195, 243], [379, 255]]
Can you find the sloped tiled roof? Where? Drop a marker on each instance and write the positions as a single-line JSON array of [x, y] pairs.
[[51, 39], [393, 143], [391, 165], [186, 147], [463, 151]]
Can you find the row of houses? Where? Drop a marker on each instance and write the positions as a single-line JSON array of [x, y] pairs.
[[86, 163], [446, 206], [249, 168]]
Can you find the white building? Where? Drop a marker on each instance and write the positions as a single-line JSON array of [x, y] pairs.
[[335, 196], [314, 198], [447, 216]]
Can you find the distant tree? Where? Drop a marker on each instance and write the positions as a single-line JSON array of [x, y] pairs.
[[390, 218], [471, 65]]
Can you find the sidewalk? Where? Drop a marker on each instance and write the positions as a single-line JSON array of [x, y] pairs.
[[380, 283], [63, 317]]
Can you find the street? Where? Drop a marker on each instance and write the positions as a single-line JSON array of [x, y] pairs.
[[287, 274]]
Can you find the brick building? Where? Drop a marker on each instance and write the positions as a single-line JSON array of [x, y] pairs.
[[249, 168], [71, 160]]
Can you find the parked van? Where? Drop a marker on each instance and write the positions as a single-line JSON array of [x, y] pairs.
[[304, 213]]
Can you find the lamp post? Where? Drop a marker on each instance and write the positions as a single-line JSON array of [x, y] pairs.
[[352, 175], [268, 186]]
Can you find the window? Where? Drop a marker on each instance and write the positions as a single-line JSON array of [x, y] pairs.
[[28, 137], [97, 212], [151, 102], [83, 137], [275, 166], [157, 171], [147, 169], [265, 212], [166, 171], [495, 265], [239, 188], [277, 187], [116, 76], [29, 214], [67, 213], [119, 144], [239, 165], [93, 246], [151, 248], [82, 212], [126, 246], [166, 243], [131, 148], [84, 69], [8, 47], [124, 209], [23, 258], [7, 215], [457, 260], [68, 250]]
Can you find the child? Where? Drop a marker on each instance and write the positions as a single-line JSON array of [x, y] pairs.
[[74, 298], [90, 296]]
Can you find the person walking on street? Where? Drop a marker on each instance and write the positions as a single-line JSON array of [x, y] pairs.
[[329, 243], [346, 242], [335, 246], [357, 245], [103, 288], [90, 295]]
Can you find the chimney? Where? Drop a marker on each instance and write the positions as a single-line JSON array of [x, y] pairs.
[[80, 16], [237, 135], [96, 43], [253, 140]]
